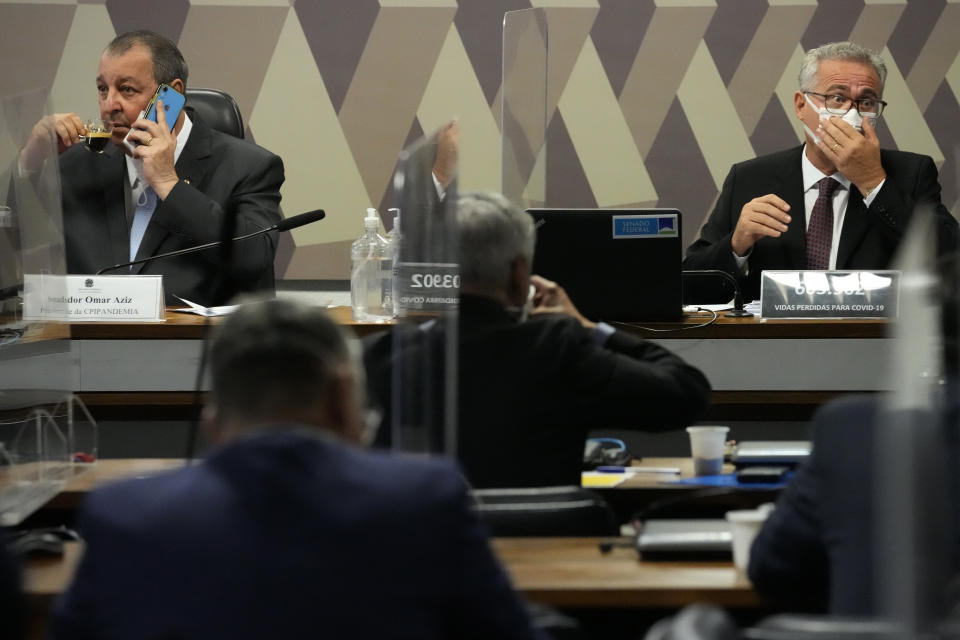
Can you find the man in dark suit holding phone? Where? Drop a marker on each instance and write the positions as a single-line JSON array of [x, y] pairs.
[[170, 192], [530, 390]]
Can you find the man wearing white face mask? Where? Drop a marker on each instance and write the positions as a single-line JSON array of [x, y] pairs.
[[836, 202]]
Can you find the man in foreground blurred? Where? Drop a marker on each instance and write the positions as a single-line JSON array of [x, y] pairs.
[[288, 529]]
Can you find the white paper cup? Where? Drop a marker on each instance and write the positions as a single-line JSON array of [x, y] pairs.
[[707, 446], [744, 526]]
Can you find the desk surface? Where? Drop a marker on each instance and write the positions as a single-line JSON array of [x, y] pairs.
[[573, 572], [185, 326], [109, 469], [565, 572]]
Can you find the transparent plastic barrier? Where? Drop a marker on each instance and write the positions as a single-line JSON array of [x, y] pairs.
[[423, 407], [524, 107]]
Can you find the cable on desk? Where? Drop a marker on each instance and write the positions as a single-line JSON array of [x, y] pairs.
[[683, 328]]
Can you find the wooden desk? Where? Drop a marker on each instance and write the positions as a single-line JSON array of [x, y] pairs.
[[565, 572], [573, 572], [104, 471], [759, 369]]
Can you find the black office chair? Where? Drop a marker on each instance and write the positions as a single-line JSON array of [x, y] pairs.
[[545, 511], [217, 109]]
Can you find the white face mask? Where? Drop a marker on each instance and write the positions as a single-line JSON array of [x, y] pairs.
[[851, 117]]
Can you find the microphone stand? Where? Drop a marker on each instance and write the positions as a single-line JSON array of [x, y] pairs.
[[180, 252], [738, 310]]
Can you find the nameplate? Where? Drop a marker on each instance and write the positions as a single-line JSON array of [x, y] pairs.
[[829, 294], [426, 286], [93, 298]]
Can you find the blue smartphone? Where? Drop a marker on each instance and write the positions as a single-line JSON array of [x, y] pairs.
[[173, 102]]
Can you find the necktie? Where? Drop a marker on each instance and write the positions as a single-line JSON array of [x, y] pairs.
[[820, 229], [146, 203]]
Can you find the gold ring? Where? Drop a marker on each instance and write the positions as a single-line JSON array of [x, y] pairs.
[[835, 146], [149, 140]]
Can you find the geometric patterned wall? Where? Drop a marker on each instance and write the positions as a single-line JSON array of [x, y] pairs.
[[649, 101]]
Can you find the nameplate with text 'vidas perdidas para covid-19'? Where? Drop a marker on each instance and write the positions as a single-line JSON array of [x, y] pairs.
[[829, 294], [135, 298]]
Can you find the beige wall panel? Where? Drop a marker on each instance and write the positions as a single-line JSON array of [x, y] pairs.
[[712, 117], [387, 87], [953, 77], [787, 86], [304, 130], [770, 50], [904, 117], [236, 58], [330, 261], [571, 4], [418, 3], [876, 23], [568, 31], [74, 88], [668, 46], [937, 55], [611, 162], [453, 91], [241, 3], [31, 45]]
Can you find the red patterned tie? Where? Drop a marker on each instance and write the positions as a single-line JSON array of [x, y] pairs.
[[820, 229]]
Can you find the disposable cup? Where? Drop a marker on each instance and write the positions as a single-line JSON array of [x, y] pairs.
[[707, 446], [744, 526]]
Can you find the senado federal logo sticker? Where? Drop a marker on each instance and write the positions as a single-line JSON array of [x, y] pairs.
[[645, 226]]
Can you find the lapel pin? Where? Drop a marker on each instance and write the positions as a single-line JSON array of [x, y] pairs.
[[186, 180]]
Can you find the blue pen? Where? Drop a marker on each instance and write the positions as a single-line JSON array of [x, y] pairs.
[[615, 469]]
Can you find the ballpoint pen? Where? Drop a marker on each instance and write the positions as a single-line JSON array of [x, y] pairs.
[[616, 469]]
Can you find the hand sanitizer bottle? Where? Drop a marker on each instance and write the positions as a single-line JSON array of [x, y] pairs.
[[371, 274]]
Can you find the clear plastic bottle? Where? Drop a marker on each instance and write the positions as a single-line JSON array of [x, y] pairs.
[[371, 274]]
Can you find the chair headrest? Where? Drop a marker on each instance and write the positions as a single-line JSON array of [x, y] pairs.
[[217, 109]]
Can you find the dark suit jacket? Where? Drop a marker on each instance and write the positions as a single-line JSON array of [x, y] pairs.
[[819, 548], [529, 392], [216, 170], [869, 237], [289, 534]]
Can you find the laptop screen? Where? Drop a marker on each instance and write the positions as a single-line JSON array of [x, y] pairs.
[[615, 264]]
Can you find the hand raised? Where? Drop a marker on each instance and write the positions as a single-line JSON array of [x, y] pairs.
[[762, 217], [66, 128]]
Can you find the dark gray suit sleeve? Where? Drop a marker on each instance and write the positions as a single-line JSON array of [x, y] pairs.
[[482, 603], [895, 204], [636, 382], [190, 213], [788, 560], [713, 250]]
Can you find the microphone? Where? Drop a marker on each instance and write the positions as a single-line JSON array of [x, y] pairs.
[[286, 224], [737, 311]]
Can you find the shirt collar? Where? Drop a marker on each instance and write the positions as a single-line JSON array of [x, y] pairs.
[[812, 175], [135, 167]]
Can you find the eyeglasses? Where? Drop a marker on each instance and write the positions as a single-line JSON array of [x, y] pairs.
[[838, 104]]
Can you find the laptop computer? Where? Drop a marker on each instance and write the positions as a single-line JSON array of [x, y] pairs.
[[615, 264]]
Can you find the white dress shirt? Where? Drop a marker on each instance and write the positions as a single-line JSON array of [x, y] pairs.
[[841, 198]]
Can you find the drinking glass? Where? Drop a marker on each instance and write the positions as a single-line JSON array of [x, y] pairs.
[[97, 135]]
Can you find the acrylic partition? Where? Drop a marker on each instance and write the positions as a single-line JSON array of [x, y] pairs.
[[916, 452], [45, 434], [524, 107], [423, 411]]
